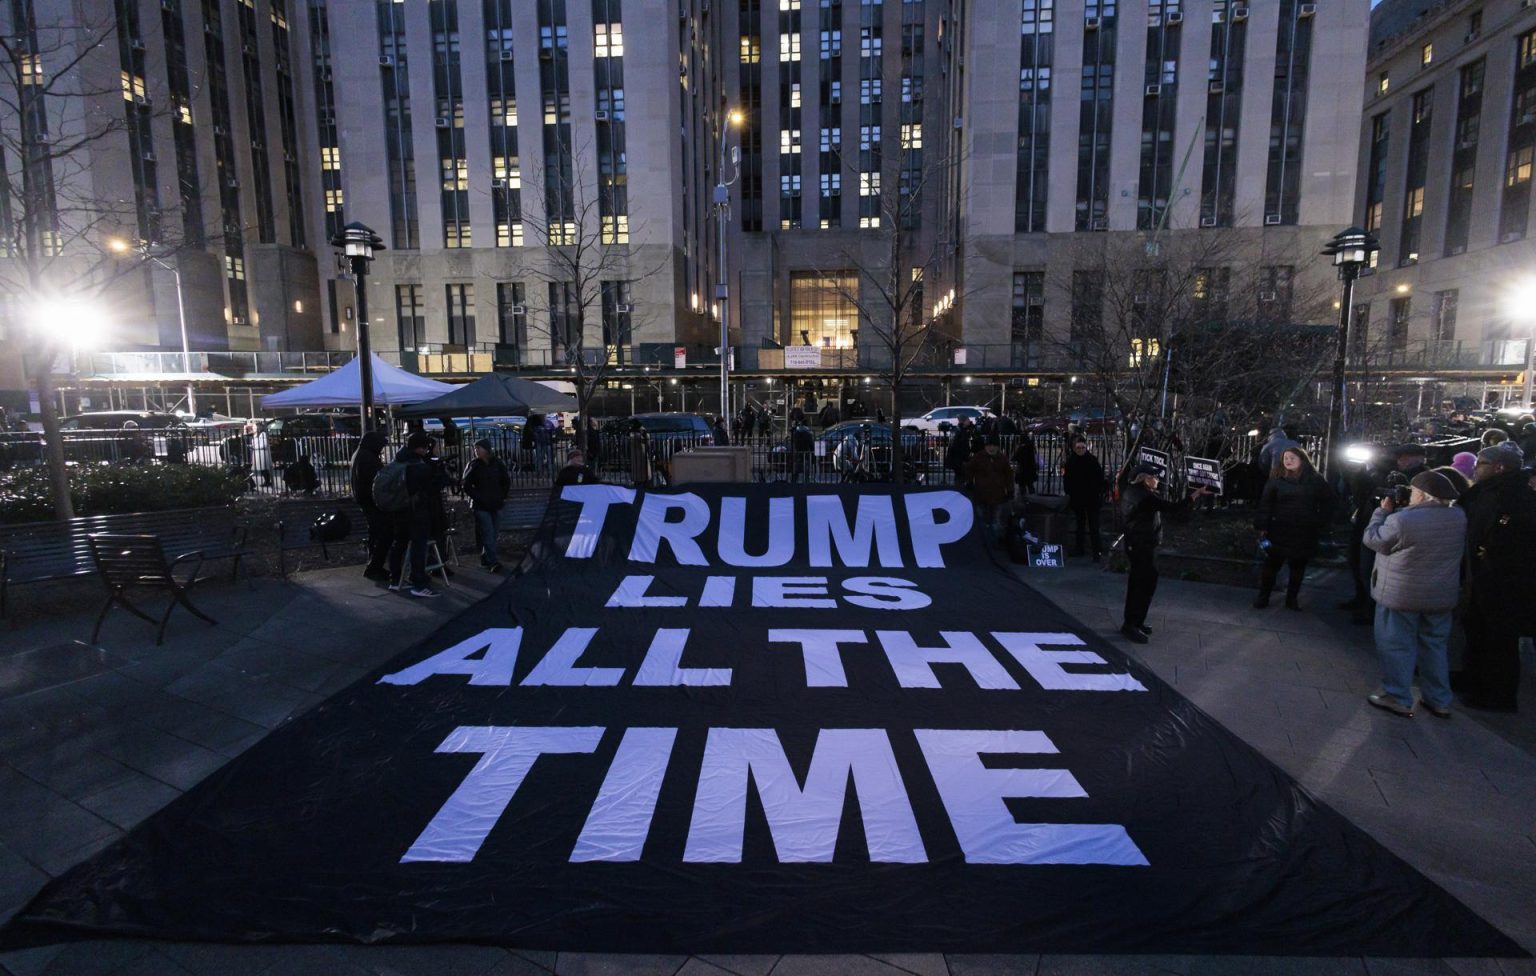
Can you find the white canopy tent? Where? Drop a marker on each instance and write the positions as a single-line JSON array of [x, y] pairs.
[[342, 388]]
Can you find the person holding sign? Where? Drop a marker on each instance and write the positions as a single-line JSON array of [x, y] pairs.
[[1295, 509], [1142, 509]]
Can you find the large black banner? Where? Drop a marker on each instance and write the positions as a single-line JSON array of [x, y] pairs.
[[761, 719]]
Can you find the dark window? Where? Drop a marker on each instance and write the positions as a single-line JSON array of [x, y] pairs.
[[461, 314]]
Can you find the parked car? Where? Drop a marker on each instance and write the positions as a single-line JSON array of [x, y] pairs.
[[329, 439], [672, 426], [120, 419], [946, 418], [916, 453], [123, 435]]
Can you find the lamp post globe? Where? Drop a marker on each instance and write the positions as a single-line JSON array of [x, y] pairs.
[[357, 242], [1351, 251]]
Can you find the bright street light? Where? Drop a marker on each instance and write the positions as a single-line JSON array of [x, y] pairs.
[[1521, 304], [80, 321]]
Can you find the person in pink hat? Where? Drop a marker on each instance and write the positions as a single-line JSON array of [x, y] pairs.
[[1465, 462]]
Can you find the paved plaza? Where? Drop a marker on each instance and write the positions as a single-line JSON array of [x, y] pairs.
[[95, 739]]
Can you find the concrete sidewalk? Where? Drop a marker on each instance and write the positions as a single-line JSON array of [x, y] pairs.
[[93, 740]]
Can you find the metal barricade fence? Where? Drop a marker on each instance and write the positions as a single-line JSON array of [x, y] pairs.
[[612, 454]]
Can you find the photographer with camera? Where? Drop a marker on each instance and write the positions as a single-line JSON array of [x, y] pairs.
[[1416, 583], [1367, 486]]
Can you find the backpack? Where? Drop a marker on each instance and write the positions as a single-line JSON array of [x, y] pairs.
[[389, 489], [330, 527]]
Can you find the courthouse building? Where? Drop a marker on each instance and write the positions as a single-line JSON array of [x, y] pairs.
[[1034, 140], [1446, 156]]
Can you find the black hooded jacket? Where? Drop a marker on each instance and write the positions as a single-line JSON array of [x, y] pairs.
[[366, 464]]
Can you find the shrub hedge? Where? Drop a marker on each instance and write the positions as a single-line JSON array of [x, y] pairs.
[[26, 494]]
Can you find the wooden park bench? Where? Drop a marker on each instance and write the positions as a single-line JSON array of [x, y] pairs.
[[137, 562], [36, 552]]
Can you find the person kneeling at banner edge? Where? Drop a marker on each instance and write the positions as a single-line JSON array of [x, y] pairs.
[[1141, 509], [1416, 582], [576, 471]]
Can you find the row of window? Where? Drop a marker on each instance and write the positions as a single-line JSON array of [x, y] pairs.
[[1519, 157], [557, 331]]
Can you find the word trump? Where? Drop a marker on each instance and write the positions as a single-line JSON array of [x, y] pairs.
[[803, 816], [677, 523], [489, 659]]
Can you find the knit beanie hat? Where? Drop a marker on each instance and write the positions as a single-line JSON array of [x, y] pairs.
[[1507, 453], [1435, 485], [1465, 462], [1461, 481], [484, 442]]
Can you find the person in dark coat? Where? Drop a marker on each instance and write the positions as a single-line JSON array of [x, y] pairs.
[[1142, 509], [1501, 578], [1026, 467], [722, 439], [300, 477], [486, 483], [1295, 510], [1083, 479], [960, 448], [366, 463], [990, 477], [413, 526]]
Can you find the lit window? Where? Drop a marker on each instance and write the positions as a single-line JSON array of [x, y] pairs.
[[562, 233], [869, 184], [32, 69], [134, 88], [869, 222], [333, 201], [1426, 55], [789, 140], [504, 111], [609, 41], [789, 5], [506, 168], [455, 174], [789, 47], [912, 135], [1519, 168], [184, 114], [615, 229], [1383, 82], [794, 95], [330, 157], [751, 49], [1415, 206], [509, 235], [234, 268], [1141, 350]]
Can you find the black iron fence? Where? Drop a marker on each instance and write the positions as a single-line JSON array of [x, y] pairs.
[[321, 465]]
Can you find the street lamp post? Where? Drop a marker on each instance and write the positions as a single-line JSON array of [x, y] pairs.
[[143, 247], [722, 288], [357, 242], [1351, 250]]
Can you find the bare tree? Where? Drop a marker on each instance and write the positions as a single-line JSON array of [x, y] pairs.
[[1190, 335], [587, 263], [897, 263], [60, 110]]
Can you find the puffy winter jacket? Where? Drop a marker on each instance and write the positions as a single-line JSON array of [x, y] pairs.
[[1418, 562]]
